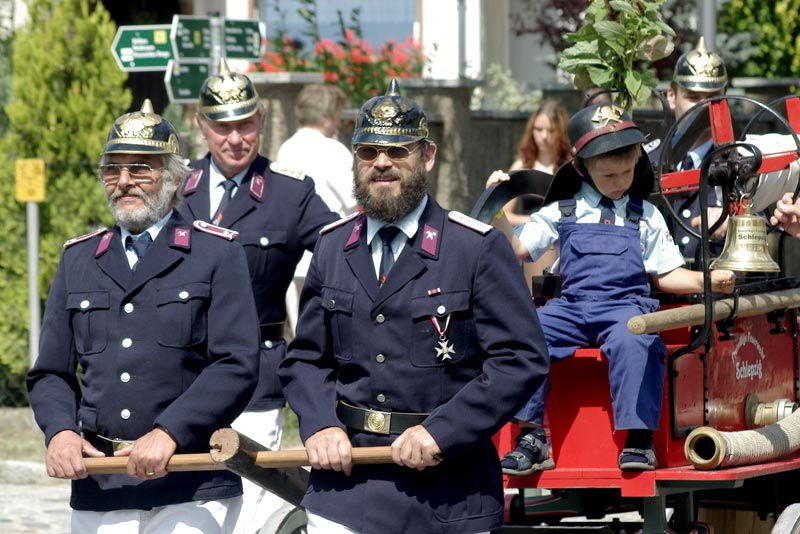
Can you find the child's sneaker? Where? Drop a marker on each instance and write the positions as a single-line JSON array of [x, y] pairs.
[[633, 459], [532, 453]]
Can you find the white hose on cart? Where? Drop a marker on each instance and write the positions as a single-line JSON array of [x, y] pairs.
[[708, 448]]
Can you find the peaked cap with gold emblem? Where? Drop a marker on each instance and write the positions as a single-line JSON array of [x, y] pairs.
[[142, 132], [391, 119], [228, 96], [595, 130], [700, 70]]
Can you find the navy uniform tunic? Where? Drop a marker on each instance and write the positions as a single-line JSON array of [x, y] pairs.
[[278, 217], [173, 343], [376, 347]]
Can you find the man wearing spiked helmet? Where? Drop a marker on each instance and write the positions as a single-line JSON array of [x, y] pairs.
[[167, 347], [277, 215], [414, 332], [699, 74]]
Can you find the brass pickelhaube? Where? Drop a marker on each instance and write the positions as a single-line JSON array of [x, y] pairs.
[[142, 132], [391, 119], [228, 96], [700, 70]]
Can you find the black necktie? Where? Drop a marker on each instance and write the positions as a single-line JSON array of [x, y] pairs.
[[607, 214], [226, 199], [387, 235], [139, 245]]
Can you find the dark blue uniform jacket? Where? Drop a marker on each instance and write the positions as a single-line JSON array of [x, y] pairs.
[[375, 347], [278, 217], [173, 343]]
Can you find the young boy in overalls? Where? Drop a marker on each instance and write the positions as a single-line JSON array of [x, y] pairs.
[[613, 245]]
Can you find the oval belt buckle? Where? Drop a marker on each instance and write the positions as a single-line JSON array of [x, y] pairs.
[[378, 422]]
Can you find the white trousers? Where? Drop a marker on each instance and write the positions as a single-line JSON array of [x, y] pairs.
[[193, 517], [319, 525], [265, 428]]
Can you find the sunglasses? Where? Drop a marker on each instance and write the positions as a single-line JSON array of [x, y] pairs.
[[140, 173], [394, 152]]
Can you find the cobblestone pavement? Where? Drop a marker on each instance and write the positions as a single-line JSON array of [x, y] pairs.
[[30, 501]]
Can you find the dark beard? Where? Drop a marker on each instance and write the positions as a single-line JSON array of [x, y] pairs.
[[390, 209]]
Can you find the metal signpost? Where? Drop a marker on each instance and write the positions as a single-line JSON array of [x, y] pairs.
[[188, 50], [29, 188]]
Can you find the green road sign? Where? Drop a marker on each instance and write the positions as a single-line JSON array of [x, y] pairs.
[[243, 38], [183, 81], [191, 38], [142, 48]]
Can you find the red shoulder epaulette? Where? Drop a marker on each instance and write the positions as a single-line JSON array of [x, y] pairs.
[[218, 231], [465, 220], [84, 237], [336, 224]]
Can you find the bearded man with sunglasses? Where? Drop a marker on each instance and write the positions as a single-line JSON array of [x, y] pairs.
[[416, 331], [149, 344]]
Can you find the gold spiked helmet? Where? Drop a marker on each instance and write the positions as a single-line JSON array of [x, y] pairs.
[[228, 96], [142, 132], [700, 70], [391, 119]]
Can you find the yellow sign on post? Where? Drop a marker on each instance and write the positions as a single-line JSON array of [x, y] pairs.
[[30, 180]]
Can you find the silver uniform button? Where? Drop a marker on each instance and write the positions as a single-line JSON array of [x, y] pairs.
[[127, 342], [183, 295], [125, 414], [125, 377], [380, 318], [381, 397], [331, 304], [264, 241], [441, 309], [380, 358], [268, 344], [84, 304], [128, 307], [686, 213], [685, 240]]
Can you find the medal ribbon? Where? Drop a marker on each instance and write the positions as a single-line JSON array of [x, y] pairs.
[[441, 331]]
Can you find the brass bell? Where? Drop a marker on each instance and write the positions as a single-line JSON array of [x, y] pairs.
[[746, 246]]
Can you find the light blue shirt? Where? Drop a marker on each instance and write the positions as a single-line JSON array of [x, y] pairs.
[[659, 252], [153, 231], [408, 226], [215, 189]]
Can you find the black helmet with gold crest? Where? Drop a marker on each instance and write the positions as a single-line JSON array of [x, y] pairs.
[[595, 130], [142, 132], [228, 96], [700, 70], [391, 119]]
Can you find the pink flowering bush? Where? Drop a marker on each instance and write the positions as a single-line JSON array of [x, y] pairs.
[[351, 63]]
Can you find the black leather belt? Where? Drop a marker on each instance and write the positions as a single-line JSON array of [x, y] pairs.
[[107, 446], [377, 421], [271, 331]]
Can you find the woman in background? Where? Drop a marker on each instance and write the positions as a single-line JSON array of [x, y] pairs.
[[544, 146]]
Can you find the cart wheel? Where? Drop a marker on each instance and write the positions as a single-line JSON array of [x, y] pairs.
[[789, 521], [288, 519]]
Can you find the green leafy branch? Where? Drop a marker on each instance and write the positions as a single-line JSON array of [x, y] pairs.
[[615, 47]]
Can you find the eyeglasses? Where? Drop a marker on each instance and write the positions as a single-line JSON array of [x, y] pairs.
[[394, 152], [140, 173]]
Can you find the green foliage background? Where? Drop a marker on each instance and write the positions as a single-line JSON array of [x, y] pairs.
[[66, 92], [768, 37]]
